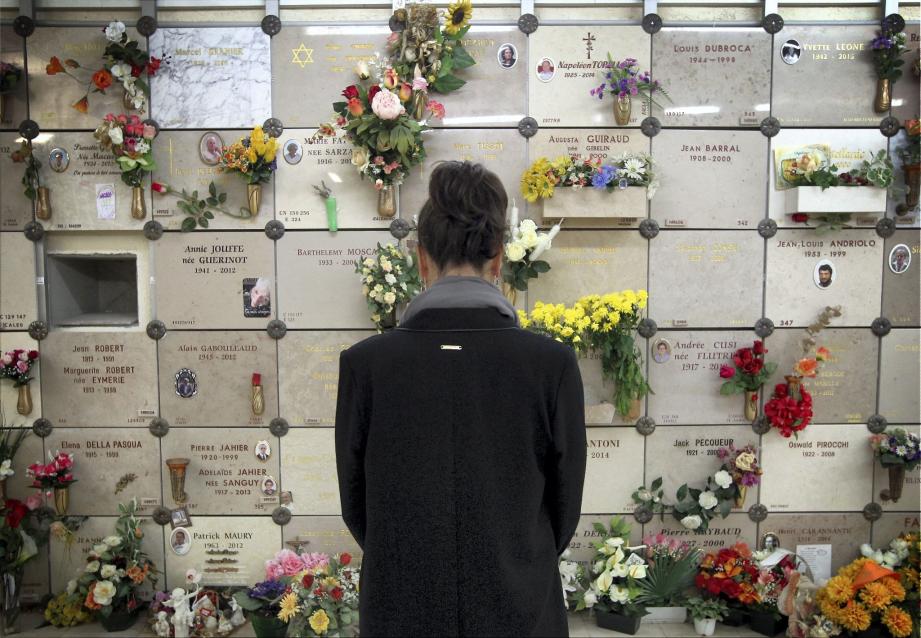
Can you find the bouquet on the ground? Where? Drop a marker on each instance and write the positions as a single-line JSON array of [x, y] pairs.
[[128, 139], [730, 574], [16, 365], [865, 594], [252, 157], [623, 78], [524, 247], [748, 371], [388, 278], [630, 169], [617, 570], [323, 598], [897, 447]]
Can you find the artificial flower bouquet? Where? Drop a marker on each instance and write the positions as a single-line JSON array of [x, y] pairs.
[[56, 474], [540, 180], [617, 570], [741, 465], [773, 578], [888, 48], [388, 278], [898, 448], [199, 209], [577, 592], [730, 574], [251, 157], [524, 247], [623, 78], [748, 371], [865, 594], [129, 141], [672, 566], [17, 364], [323, 599]]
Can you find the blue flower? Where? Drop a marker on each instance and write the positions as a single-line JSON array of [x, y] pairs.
[[599, 181]]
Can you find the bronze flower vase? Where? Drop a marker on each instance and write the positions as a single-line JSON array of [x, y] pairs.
[[740, 496], [258, 400], [793, 385], [24, 400], [913, 182], [138, 206], [896, 481], [61, 500], [43, 203], [177, 469], [387, 201], [883, 100], [622, 107], [751, 405], [254, 198]]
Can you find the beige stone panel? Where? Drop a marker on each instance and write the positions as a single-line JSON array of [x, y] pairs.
[[892, 524], [12, 49], [687, 383], [722, 532], [844, 532], [9, 395], [694, 168], [899, 376], [599, 392], [314, 268], [100, 379], [31, 450], [223, 363], [833, 460], [35, 585], [201, 277], [582, 548], [327, 534], [792, 297], [180, 165], [223, 476], [614, 467], [716, 76], [102, 457], [844, 391], [911, 488], [686, 264], [18, 298], [15, 207], [308, 365], [900, 290], [309, 462], [579, 64], [905, 92]]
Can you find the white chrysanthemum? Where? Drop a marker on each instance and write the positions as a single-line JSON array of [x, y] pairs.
[[115, 31], [691, 522], [390, 278], [707, 500]]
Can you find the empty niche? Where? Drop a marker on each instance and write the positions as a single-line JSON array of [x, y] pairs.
[[92, 290]]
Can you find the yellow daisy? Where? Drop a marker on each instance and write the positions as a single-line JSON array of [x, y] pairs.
[[319, 621], [289, 607], [458, 15]]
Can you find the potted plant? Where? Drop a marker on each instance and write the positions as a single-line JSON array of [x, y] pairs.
[[746, 376], [773, 577], [262, 602], [898, 451], [705, 612], [730, 574], [323, 598], [616, 572], [672, 568]]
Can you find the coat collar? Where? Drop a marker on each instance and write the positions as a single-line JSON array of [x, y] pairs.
[[458, 319]]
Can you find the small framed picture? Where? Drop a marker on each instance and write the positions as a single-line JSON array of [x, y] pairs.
[[508, 55], [286, 498], [269, 486], [257, 297], [824, 274], [899, 258], [58, 160], [263, 450], [179, 517], [790, 52], [293, 151], [180, 541], [186, 383], [546, 69], [661, 351], [210, 147]]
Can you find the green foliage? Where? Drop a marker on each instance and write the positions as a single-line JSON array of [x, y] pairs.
[[878, 170], [668, 579], [704, 608], [199, 211], [825, 177]]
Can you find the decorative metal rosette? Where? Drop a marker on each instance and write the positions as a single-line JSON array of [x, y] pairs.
[[153, 230], [645, 425], [528, 23], [42, 427], [761, 425], [29, 129], [894, 23], [647, 328], [279, 426], [34, 231], [649, 228], [527, 127], [757, 513], [147, 26], [277, 329], [642, 515], [767, 228], [274, 230], [156, 329], [652, 23], [872, 511], [651, 126], [772, 23], [38, 330], [273, 127], [400, 228], [764, 327], [271, 25], [877, 424], [161, 515], [881, 326], [23, 26], [885, 227], [281, 515], [770, 126], [890, 126], [159, 427]]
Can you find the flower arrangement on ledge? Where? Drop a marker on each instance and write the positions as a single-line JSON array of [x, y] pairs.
[[524, 247], [747, 374], [253, 159], [630, 169], [865, 593], [730, 574], [389, 278], [617, 570], [623, 80]]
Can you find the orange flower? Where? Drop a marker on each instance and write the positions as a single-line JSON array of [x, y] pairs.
[[854, 617], [743, 549], [822, 354], [898, 622], [355, 107], [895, 588], [90, 602], [136, 574], [54, 67], [876, 596], [838, 589], [806, 367], [102, 79], [82, 105]]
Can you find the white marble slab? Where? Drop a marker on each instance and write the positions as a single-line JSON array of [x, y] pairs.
[[614, 468], [899, 376], [18, 296]]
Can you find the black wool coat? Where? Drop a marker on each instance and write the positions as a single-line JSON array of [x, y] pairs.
[[460, 451]]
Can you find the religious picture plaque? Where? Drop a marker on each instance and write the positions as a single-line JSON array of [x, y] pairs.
[[15, 208], [899, 375], [614, 467], [308, 459], [17, 282], [843, 532]]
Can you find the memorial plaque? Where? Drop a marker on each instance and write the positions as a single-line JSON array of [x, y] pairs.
[[806, 272], [68, 560], [217, 77], [703, 163], [905, 91], [844, 532], [581, 548], [503, 152], [35, 585], [224, 475], [307, 161], [308, 368], [897, 208], [99, 379], [893, 524], [312, 65], [899, 376], [51, 97], [911, 488], [8, 394], [327, 534], [687, 381], [599, 392], [722, 532], [834, 461], [251, 539], [823, 75], [566, 62], [614, 468], [902, 255], [684, 267], [598, 144], [308, 457], [331, 264], [591, 262], [187, 160], [12, 48], [105, 462], [15, 207], [206, 280], [842, 391], [17, 282], [848, 150], [224, 364], [688, 454], [715, 76]]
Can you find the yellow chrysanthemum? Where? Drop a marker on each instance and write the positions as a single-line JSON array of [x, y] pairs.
[[458, 15], [909, 577], [895, 588], [838, 590], [319, 622], [898, 622], [854, 617], [289, 607], [875, 596]]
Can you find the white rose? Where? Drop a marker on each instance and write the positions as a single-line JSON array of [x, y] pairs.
[[529, 238], [115, 135], [359, 158], [387, 106], [378, 288], [390, 298], [515, 251], [361, 69], [691, 522], [723, 478], [707, 500], [112, 541], [526, 225], [101, 548], [107, 571], [121, 70], [390, 278], [590, 598], [104, 592], [92, 566], [115, 31], [71, 586]]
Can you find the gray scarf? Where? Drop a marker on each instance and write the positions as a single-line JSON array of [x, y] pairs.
[[461, 292]]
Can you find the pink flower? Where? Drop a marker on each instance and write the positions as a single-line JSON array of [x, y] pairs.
[[22, 366], [290, 562], [68, 478], [387, 106], [420, 84], [33, 502], [149, 132], [7, 359], [393, 37], [122, 118], [314, 560], [273, 570], [378, 160], [437, 109]]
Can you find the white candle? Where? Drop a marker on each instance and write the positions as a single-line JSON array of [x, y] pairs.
[[513, 216]]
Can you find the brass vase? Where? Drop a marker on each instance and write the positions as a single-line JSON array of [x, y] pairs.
[[177, 469], [43, 203], [751, 405], [258, 400], [387, 201], [793, 384], [138, 206], [913, 182], [61, 500], [622, 108], [740, 496], [896, 481], [883, 100], [128, 103], [254, 198], [24, 401]]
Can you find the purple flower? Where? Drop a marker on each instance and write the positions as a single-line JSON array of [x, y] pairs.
[[268, 589], [749, 479]]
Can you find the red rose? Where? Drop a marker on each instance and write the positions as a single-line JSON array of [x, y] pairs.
[[350, 92], [15, 512], [727, 372], [336, 593], [780, 390], [157, 187], [759, 347], [33, 354], [153, 66], [318, 592], [136, 71], [800, 218], [345, 558], [756, 365], [374, 90], [307, 581]]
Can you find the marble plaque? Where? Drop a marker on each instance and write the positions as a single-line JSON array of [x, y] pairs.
[[327, 534], [591, 262], [223, 363], [102, 459], [848, 150], [844, 532], [687, 382], [603, 144], [823, 75], [210, 69], [911, 489], [12, 48], [15, 207], [684, 267], [581, 548], [180, 164], [224, 475], [330, 262], [901, 282], [891, 525], [715, 76], [308, 367], [834, 461], [503, 152], [312, 65], [51, 96], [722, 532], [614, 468], [905, 92], [255, 539], [687, 454], [73, 191], [307, 162], [558, 93], [899, 376], [9, 394], [694, 168], [18, 297], [599, 392], [794, 291], [99, 379], [844, 390], [308, 457], [205, 280]]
